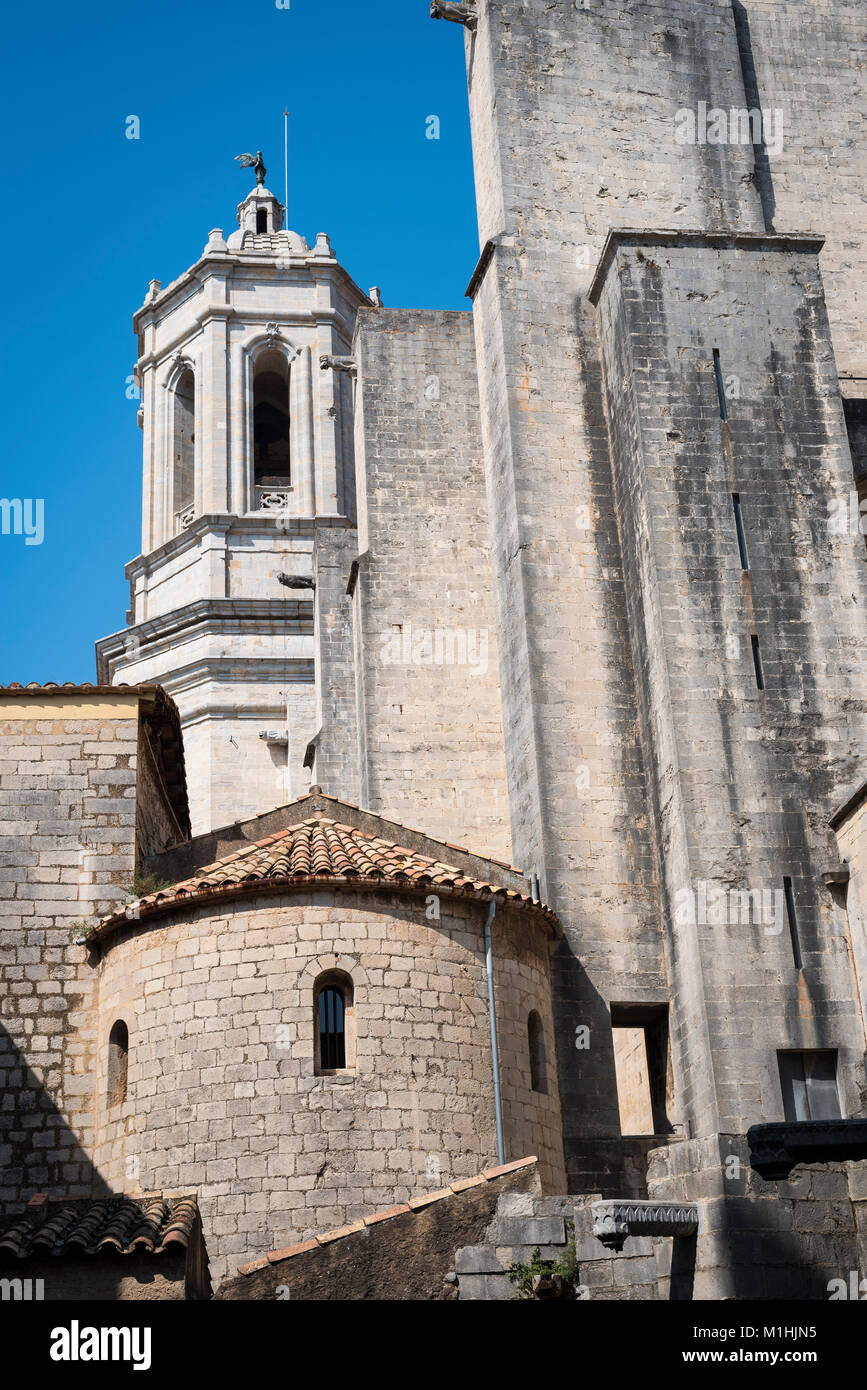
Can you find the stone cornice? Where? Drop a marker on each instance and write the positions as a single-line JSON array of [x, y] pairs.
[[288, 616], [775, 1149], [614, 1221], [204, 267], [808, 243], [216, 523]]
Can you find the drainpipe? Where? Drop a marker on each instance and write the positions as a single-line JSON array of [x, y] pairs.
[[489, 968]]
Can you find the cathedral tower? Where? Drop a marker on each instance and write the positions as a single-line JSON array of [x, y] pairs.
[[246, 443]]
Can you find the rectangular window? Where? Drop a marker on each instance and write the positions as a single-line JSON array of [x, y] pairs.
[[808, 1081], [792, 918], [757, 662], [720, 386], [739, 527]]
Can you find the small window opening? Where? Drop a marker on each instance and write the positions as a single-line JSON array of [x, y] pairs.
[[332, 1028], [261, 219], [118, 1062], [640, 1038], [538, 1057], [855, 414], [739, 528], [808, 1081], [792, 918], [720, 385], [757, 662], [334, 1023]]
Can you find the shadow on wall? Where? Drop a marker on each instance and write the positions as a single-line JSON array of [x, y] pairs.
[[64, 1233], [38, 1150]]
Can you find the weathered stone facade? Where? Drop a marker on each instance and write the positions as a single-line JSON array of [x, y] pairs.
[[564, 581], [85, 777]]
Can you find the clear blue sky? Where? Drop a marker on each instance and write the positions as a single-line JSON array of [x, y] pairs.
[[90, 217]]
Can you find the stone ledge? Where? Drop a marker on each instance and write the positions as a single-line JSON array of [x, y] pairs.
[[808, 243], [614, 1221], [775, 1149]]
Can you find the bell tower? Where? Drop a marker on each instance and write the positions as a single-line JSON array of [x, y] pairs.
[[247, 448]]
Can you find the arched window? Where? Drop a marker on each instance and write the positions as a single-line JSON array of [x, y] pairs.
[[333, 1023], [271, 421], [118, 1060], [184, 444], [538, 1063]]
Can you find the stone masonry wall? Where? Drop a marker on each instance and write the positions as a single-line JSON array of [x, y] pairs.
[[758, 1240], [67, 849], [742, 779], [850, 899], [222, 1095], [551, 86], [427, 667], [574, 111], [336, 765]]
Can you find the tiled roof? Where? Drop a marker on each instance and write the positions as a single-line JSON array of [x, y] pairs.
[[91, 1226], [426, 1199], [322, 850], [70, 688]]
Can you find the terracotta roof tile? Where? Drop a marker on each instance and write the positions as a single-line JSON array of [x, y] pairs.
[[318, 850], [72, 688], [129, 1225]]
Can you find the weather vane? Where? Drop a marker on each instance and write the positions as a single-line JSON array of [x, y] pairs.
[[253, 161]]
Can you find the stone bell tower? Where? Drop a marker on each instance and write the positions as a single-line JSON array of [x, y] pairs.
[[247, 448]]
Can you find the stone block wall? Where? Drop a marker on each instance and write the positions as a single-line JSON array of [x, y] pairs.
[[575, 111], [850, 898], [73, 811], [336, 761], [427, 669], [556, 1226], [761, 1239], [742, 778]]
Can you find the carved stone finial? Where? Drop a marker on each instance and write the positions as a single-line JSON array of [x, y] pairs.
[[338, 364], [457, 14]]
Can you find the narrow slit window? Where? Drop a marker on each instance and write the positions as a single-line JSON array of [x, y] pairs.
[[792, 918], [261, 219], [739, 528], [118, 1062], [538, 1060], [757, 662], [332, 1029], [720, 387], [334, 1032]]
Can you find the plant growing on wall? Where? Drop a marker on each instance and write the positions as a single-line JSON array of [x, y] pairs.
[[542, 1279]]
